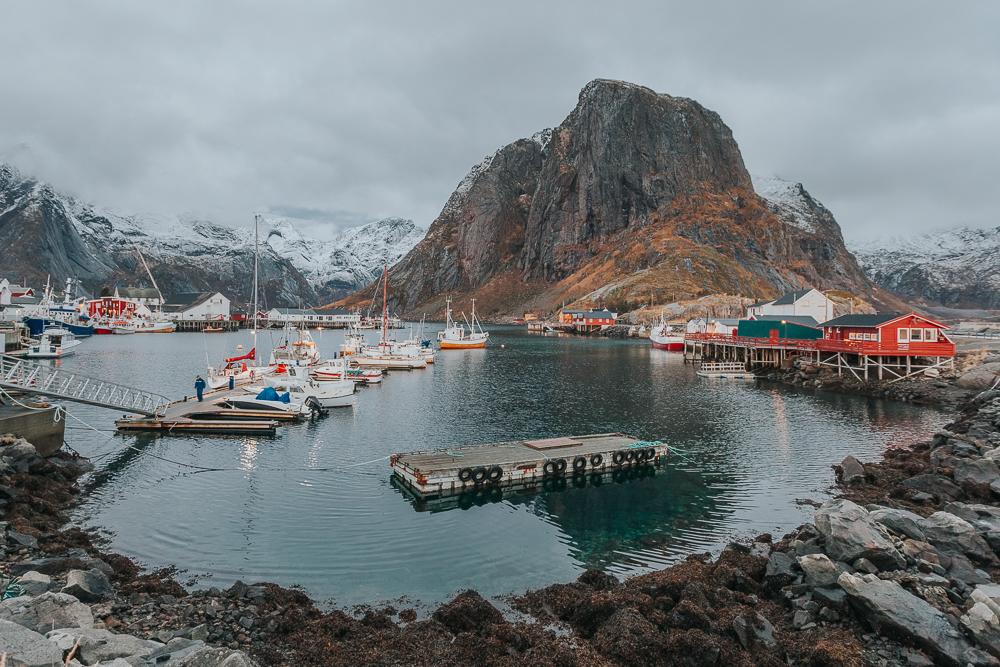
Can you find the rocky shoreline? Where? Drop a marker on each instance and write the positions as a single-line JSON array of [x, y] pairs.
[[899, 570]]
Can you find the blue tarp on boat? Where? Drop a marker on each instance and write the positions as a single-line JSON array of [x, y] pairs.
[[271, 394]]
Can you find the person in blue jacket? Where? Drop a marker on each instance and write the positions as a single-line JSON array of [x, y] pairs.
[[199, 386]]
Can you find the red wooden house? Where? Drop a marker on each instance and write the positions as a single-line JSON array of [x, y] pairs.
[[892, 345], [889, 334]]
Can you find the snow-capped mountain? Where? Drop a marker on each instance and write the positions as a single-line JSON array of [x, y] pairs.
[[794, 205], [958, 268], [353, 259], [44, 232]]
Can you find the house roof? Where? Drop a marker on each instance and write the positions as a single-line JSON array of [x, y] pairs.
[[178, 302], [729, 322], [594, 313], [791, 297], [138, 293], [805, 320], [334, 311], [864, 321]]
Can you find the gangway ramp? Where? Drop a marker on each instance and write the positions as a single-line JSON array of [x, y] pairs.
[[40, 378]]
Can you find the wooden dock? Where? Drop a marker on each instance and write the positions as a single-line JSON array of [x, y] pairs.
[[189, 415], [523, 462]]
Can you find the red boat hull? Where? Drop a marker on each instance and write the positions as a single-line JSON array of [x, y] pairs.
[[670, 347]]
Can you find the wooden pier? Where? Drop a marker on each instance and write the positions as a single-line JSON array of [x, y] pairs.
[[523, 462], [211, 415]]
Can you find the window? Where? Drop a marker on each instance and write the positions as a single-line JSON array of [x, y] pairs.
[[904, 335], [916, 335], [930, 335]]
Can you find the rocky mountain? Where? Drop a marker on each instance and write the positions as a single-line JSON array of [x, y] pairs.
[[352, 259], [47, 233], [636, 197], [958, 268]]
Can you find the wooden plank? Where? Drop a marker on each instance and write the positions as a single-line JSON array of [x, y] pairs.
[[551, 443]]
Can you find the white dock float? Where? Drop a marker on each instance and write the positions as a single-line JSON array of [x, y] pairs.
[[522, 462]]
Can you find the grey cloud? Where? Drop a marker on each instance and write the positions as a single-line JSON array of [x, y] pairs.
[[886, 111]]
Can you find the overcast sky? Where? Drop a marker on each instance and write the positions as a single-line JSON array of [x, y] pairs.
[[888, 112]]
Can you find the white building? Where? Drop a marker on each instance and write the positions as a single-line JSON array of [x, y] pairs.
[[805, 303], [722, 326], [197, 306], [335, 317], [147, 296]]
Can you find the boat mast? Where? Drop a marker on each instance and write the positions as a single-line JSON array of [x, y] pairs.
[[472, 326], [385, 305], [256, 250], [151, 278]]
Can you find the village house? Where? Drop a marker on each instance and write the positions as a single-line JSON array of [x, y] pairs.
[[587, 321], [721, 326], [147, 296], [11, 293], [199, 306], [805, 302]]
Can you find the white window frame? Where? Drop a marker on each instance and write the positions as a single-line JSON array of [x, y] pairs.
[[916, 335], [903, 335]]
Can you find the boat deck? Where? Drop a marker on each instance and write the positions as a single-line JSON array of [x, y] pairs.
[[520, 462]]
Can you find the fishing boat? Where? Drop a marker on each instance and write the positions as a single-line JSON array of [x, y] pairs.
[[122, 329], [354, 342], [235, 368], [456, 337], [213, 330], [662, 337], [66, 315], [299, 352], [54, 343], [150, 326]]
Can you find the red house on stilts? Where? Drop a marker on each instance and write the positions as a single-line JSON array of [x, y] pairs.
[[892, 345]]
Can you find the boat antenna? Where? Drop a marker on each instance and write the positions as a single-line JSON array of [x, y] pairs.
[[150, 274]]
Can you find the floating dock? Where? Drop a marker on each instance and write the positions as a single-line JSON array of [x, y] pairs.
[[521, 463], [725, 370], [185, 425], [210, 415]]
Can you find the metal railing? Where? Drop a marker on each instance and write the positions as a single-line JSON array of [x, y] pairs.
[[941, 348], [39, 378]]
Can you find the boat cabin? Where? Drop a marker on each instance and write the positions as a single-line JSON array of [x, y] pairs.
[[890, 333]]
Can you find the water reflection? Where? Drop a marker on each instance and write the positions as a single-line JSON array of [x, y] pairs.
[[314, 504]]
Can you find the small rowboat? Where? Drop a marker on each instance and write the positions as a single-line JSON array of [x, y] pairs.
[[213, 329]]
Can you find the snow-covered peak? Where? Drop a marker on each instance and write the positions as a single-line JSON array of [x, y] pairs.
[[953, 267], [351, 259], [793, 204]]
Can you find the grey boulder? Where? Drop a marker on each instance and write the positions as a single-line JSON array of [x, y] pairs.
[[753, 629], [976, 476], [819, 570], [849, 534], [900, 522], [215, 657], [891, 610], [953, 534], [47, 611], [88, 585], [27, 648], [850, 471], [34, 583], [98, 645]]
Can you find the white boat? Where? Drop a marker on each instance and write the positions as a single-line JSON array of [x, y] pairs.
[[662, 337], [388, 354], [334, 370], [328, 394], [54, 343], [154, 326], [299, 352], [456, 337], [271, 401], [235, 368]]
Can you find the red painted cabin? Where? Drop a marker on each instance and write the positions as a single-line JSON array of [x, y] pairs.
[[909, 335]]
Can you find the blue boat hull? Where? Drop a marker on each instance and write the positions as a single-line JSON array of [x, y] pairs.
[[36, 325]]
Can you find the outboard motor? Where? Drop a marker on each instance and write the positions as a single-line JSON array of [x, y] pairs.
[[316, 409]]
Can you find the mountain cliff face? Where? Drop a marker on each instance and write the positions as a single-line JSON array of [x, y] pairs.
[[634, 197], [959, 268], [46, 233]]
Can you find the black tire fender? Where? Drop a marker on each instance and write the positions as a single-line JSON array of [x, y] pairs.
[[479, 475], [495, 473], [465, 474], [580, 464]]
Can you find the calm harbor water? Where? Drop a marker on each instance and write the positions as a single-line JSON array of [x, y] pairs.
[[314, 505]]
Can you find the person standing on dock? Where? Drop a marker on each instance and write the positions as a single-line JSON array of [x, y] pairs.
[[199, 386]]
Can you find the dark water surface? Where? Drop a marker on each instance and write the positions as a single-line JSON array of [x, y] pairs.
[[314, 506]]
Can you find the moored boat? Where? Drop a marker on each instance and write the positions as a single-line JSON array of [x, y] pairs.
[[54, 343], [662, 337], [455, 337]]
